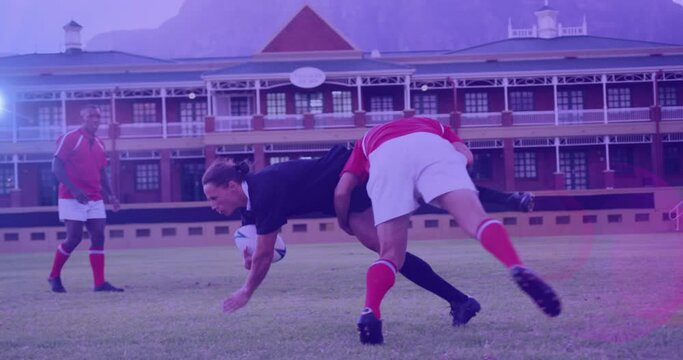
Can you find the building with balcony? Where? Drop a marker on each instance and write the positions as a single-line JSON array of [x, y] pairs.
[[550, 108]]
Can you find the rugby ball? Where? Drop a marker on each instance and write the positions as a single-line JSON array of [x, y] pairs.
[[245, 238]]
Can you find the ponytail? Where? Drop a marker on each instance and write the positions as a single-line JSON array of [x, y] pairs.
[[221, 172]]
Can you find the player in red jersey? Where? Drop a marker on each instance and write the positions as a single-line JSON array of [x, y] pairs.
[[411, 160], [79, 165]]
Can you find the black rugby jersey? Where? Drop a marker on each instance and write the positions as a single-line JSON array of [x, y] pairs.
[[296, 188]]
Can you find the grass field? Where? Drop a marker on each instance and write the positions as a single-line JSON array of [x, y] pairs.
[[622, 298]]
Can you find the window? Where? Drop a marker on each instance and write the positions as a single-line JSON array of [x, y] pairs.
[[234, 105], [570, 100], [193, 111], [341, 102], [574, 165], [522, 101], [240, 106], [431, 223], [191, 187], [49, 116], [147, 177], [381, 103], [668, 96], [426, 104], [106, 115], [276, 104], [621, 160], [6, 178], [619, 98], [49, 122], [308, 103], [476, 102], [672, 159], [144, 112], [482, 168], [525, 165]]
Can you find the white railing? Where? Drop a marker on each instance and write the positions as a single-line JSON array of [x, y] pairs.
[[39, 133], [442, 118], [185, 129], [287, 121], [102, 130], [676, 213], [533, 118], [579, 117], [333, 120], [233, 123], [672, 112], [141, 130], [628, 115], [481, 119], [573, 31], [522, 33], [380, 117]]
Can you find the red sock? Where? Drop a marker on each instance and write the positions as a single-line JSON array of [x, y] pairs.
[[380, 278], [61, 257], [97, 265], [493, 236]]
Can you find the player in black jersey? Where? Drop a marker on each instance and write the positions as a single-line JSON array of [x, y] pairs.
[[270, 197]]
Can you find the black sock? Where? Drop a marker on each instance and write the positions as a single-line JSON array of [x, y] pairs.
[[419, 272]]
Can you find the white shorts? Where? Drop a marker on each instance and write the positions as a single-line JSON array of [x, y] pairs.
[[71, 209], [413, 166]]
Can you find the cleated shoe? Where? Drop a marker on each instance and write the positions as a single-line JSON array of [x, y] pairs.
[[370, 328], [462, 313], [542, 294], [105, 286], [56, 285]]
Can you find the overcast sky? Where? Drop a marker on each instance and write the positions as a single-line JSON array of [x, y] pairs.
[[28, 26]]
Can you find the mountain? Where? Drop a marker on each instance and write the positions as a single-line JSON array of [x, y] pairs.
[[205, 28]]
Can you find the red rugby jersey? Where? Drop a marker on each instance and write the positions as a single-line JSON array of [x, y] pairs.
[[84, 158], [359, 165]]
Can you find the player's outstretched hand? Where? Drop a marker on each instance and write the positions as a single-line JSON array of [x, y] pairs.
[[235, 301]]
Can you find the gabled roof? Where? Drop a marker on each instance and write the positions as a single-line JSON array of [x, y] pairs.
[[308, 31], [103, 79], [76, 59], [328, 66], [546, 66], [562, 43]]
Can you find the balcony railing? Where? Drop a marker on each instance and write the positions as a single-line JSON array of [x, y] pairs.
[[141, 130], [39, 133], [233, 123], [533, 118], [333, 120], [481, 119], [380, 117], [442, 118], [672, 113], [581, 117], [628, 114], [282, 122], [102, 131], [341, 120], [185, 129]]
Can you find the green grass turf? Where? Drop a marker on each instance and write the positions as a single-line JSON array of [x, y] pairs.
[[622, 299]]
